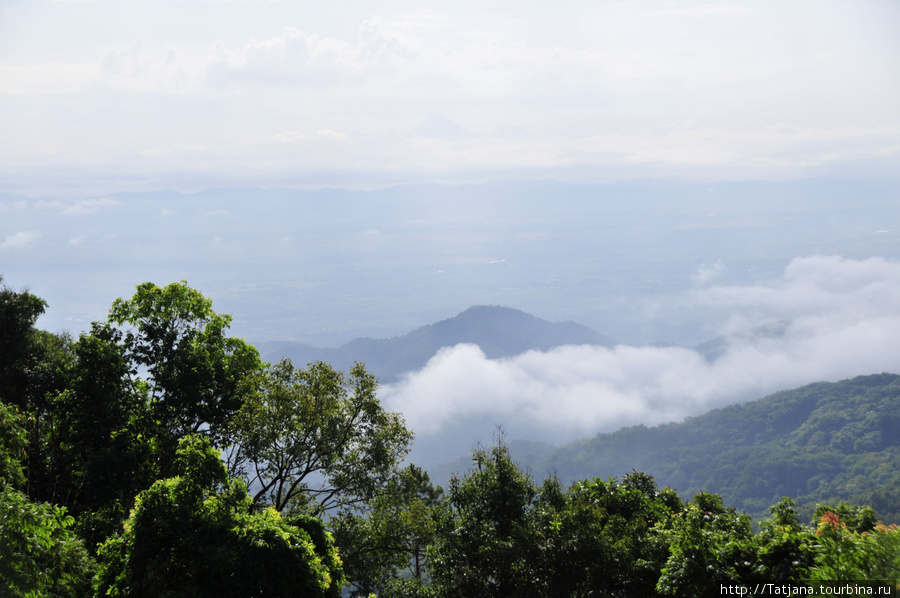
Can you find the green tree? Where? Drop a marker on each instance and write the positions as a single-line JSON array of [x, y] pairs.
[[35, 368], [384, 547], [105, 435], [176, 343], [483, 536], [12, 445], [39, 555], [856, 518], [19, 310], [709, 545], [849, 547], [192, 536], [315, 439], [785, 552], [599, 537]]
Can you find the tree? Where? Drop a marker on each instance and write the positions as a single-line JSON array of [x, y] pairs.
[[192, 536], [852, 547], [484, 536], [39, 554], [19, 310], [105, 434], [709, 545], [12, 445], [35, 368], [315, 440], [384, 547], [193, 371], [500, 535], [786, 550], [598, 538]]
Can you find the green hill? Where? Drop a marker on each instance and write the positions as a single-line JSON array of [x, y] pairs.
[[824, 442]]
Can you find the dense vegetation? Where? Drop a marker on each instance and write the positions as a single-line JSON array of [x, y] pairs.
[[156, 456], [821, 443]]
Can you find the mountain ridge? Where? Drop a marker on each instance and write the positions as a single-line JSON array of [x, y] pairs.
[[826, 441], [499, 331]]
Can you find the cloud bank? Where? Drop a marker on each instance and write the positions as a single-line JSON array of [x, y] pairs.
[[476, 91], [840, 318]]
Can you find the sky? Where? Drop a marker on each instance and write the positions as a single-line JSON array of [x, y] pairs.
[[109, 95]]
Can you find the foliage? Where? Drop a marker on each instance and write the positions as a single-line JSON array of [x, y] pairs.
[[105, 447], [193, 370], [191, 535], [849, 549], [35, 369], [709, 545], [483, 534], [599, 536], [315, 439], [384, 547], [856, 518], [19, 310], [39, 555], [785, 546], [138, 406], [12, 445]]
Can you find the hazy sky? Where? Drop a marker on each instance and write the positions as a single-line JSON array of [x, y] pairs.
[[97, 95]]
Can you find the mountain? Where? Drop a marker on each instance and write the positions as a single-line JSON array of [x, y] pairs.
[[499, 331], [824, 442]]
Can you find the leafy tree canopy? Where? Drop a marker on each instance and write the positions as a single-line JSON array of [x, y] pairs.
[[315, 439], [19, 310], [39, 555], [192, 536], [384, 544], [193, 370]]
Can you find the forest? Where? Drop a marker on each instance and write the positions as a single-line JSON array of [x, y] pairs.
[[155, 455], [823, 442]]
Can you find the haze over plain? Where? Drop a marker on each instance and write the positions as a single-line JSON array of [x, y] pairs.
[[650, 115]]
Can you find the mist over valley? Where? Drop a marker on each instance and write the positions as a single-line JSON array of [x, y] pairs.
[[679, 297]]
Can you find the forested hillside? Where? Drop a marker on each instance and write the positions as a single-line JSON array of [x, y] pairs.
[[819, 443]]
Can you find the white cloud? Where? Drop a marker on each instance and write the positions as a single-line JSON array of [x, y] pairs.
[[79, 207], [844, 320], [291, 137], [167, 70], [19, 204], [828, 286], [20, 239], [708, 272], [89, 206]]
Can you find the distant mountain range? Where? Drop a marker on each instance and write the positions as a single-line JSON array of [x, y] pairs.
[[821, 443], [499, 331]]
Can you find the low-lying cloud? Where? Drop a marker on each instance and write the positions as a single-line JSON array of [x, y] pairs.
[[23, 238], [837, 318]]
